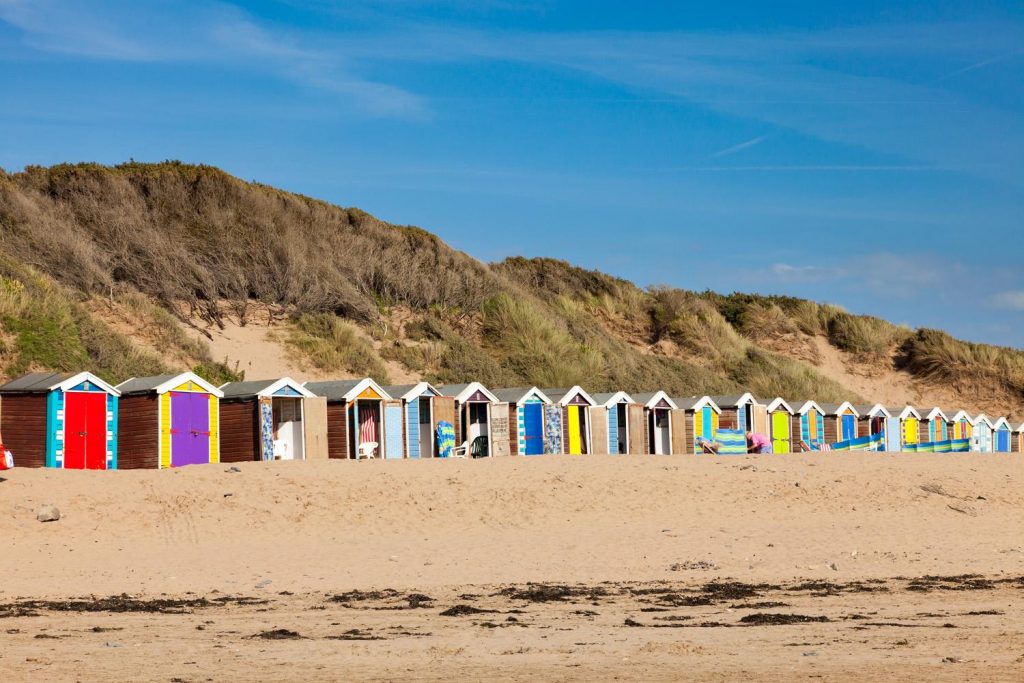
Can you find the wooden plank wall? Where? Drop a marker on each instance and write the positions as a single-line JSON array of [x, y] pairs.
[[314, 424], [138, 432], [23, 425], [637, 429], [239, 431], [678, 421], [598, 417], [729, 419], [337, 430]]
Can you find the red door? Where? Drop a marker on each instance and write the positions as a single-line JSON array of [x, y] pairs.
[[85, 431]]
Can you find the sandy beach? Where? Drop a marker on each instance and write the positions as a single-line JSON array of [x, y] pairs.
[[770, 567]]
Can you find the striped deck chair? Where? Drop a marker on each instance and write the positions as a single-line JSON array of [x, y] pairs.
[[732, 441]]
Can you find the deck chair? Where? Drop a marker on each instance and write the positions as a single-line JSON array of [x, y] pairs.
[[479, 449], [367, 450], [460, 451]]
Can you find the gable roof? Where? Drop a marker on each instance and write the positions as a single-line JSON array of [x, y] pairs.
[[42, 382], [871, 410], [734, 401], [982, 417], [262, 388], [936, 412], [564, 396], [1019, 428], [609, 399], [161, 384], [807, 406], [461, 392], [695, 403], [833, 409], [345, 389], [1001, 422], [519, 395], [649, 400], [904, 412], [777, 403], [407, 392], [957, 415]]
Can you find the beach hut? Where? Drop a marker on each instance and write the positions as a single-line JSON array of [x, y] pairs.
[[481, 420], [1018, 439], [872, 418], [936, 425], [809, 426], [355, 416], [271, 419], [526, 413], [737, 411], [981, 438], [411, 421], [961, 425], [695, 417], [840, 422], [1002, 435], [905, 432], [658, 409], [168, 421], [780, 419], [624, 413], [577, 419], [60, 420]]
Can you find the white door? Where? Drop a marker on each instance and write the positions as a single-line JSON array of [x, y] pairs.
[[661, 432], [288, 443]]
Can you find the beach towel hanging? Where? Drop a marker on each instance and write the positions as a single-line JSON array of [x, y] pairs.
[[553, 428], [445, 439], [266, 429]]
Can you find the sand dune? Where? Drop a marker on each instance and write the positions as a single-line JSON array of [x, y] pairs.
[[449, 528]]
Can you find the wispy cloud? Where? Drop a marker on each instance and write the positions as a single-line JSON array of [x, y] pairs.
[[980, 64], [1011, 300], [739, 147], [885, 273]]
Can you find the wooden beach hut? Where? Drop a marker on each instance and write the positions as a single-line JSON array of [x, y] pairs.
[[903, 428], [737, 411], [658, 408], [355, 416], [623, 413], [840, 422], [481, 420], [1002, 435], [872, 418], [961, 425], [271, 419], [695, 417], [981, 439], [526, 415], [935, 425], [411, 424], [577, 419], [169, 421], [60, 420], [1018, 439], [809, 426], [780, 425]]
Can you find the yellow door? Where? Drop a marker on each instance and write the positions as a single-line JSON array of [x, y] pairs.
[[910, 431], [780, 432], [575, 444]]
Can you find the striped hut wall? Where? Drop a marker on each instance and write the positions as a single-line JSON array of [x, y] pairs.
[[139, 422], [337, 430], [24, 423]]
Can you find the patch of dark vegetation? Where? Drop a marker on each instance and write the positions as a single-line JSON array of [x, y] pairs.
[[552, 592], [734, 590], [396, 599], [759, 605], [767, 619], [116, 604], [821, 589], [585, 613], [278, 634], [673, 617], [356, 634], [15, 610], [984, 612], [465, 610], [46, 636], [240, 600], [105, 629], [962, 582]]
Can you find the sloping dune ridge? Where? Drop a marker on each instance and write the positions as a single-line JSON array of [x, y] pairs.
[[842, 566]]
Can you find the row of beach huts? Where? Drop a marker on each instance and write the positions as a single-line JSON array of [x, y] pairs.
[[78, 421]]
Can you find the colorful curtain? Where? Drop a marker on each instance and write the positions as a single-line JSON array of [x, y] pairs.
[[367, 425]]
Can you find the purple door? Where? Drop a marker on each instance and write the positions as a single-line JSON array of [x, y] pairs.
[[190, 429]]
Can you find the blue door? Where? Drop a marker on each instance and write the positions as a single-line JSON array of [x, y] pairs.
[[412, 426], [1002, 441], [393, 432], [533, 419], [849, 427]]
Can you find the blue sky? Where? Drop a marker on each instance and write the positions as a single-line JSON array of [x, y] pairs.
[[865, 154]]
